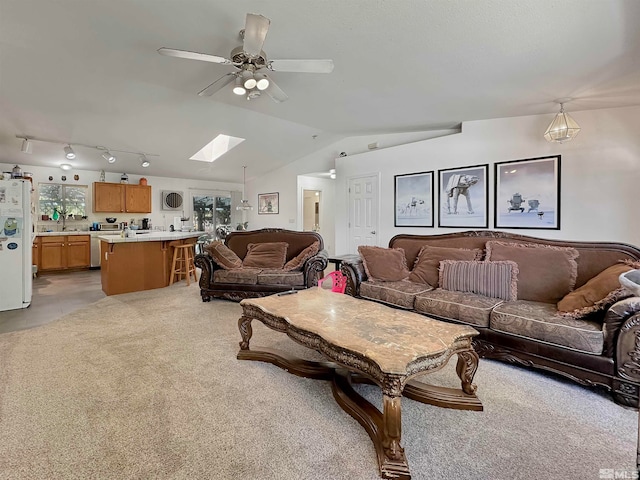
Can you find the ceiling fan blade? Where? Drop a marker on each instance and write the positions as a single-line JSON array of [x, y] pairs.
[[203, 57], [255, 31], [275, 92], [217, 85], [302, 66]]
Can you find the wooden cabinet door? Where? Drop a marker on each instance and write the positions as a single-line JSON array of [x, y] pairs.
[[52, 253], [137, 198], [108, 197], [78, 251]]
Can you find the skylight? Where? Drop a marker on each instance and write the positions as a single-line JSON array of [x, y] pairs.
[[216, 148]]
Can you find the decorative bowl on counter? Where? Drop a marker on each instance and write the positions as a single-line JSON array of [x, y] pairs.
[[111, 219]]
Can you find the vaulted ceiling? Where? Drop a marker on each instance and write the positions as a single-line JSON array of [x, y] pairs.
[[88, 72]]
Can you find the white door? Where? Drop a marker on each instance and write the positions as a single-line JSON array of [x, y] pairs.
[[363, 211]]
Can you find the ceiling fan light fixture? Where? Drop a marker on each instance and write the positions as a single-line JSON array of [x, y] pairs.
[[109, 157], [563, 128], [263, 81], [238, 89], [69, 153], [144, 162], [247, 80]]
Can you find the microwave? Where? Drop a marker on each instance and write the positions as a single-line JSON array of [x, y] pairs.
[[104, 226]]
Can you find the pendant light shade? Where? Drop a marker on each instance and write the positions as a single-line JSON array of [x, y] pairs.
[[244, 204], [563, 128]]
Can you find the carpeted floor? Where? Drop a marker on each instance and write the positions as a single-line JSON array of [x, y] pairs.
[[146, 385]]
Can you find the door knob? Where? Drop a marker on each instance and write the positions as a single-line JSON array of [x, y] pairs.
[[373, 232]]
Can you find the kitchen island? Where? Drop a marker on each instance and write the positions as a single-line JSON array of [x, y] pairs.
[[141, 262]]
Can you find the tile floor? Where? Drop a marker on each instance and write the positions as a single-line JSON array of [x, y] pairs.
[[54, 295]]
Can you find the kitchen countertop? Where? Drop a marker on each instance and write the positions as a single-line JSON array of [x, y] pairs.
[[154, 236], [93, 233]]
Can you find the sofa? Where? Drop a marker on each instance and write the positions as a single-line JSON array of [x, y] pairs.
[[525, 314], [257, 263]]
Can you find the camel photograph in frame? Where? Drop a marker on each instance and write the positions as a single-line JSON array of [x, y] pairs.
[[463, 197], [527, 193], [268, 203], [413, 204]]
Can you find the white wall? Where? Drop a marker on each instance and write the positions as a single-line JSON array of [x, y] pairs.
[[600, 174], [158, 216]]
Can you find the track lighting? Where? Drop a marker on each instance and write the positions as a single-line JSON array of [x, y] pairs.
[[27, 146], [238, 89], [109, 157], [143, 161], [247, 80], [262, 81], [69, 153]]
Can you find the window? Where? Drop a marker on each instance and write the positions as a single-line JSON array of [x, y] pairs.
[[212, 213], [65, 199]]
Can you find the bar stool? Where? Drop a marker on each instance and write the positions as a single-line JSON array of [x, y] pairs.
[[183, 263]]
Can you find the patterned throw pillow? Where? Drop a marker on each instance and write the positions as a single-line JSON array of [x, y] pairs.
[[546, 273], [223, 256], [266, 255], [297, 262], [384, 264], [598, 293], [491, 279], [425, 269]]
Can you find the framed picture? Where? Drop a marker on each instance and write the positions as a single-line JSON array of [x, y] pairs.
[[268, 203], [527, 193], [463, 197], [413, 204]]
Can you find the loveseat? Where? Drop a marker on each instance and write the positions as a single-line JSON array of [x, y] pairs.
[[596, 344], [257, 263]]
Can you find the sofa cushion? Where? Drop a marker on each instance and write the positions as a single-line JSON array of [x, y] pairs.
[[425, 269], [266, 255], [464, 307], [546, 273], [245, 276], [399, 294], [384, 264], [297, 262], [280, 277], [223, 255], [491, 279], [541, 321], [599, 293]]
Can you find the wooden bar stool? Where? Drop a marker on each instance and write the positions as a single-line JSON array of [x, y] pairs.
[[183, 263]]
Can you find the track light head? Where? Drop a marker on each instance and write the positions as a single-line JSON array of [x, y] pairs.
[[109, 157], [27, 146], [69, 153], [143, 161]]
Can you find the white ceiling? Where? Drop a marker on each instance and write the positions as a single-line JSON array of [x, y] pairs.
[[88, 72]]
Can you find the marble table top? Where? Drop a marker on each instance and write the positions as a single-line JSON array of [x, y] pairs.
[[390, 337]]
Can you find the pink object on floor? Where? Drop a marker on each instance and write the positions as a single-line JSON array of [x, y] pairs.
[[338, 281]]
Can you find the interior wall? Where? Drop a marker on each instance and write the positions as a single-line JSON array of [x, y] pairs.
[[158, 216], [600, 172]]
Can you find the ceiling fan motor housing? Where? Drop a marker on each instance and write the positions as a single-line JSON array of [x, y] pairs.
[[239, 58]]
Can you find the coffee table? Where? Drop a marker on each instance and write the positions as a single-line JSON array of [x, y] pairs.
[[367, 343]]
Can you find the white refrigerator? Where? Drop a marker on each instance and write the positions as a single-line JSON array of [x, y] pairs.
[[15, 244]]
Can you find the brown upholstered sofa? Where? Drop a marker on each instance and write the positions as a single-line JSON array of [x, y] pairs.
[[600, 348], [248, 281]]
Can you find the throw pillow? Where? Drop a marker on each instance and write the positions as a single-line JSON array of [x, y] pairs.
[[491, 279], [384, 264], [297, 262], [223, 256], [425, 269], [546, 273], [598, 293], [266, 255]]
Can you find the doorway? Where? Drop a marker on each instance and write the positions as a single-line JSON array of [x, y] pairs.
[[363, 211], [311, 201]]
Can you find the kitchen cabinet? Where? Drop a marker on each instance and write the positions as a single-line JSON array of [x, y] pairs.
[[35, 253], [121, 197], [61, 252]]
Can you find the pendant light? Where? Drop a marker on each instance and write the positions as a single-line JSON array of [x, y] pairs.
[[563, 128], [244, 204]]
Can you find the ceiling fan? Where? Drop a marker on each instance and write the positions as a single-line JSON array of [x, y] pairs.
[[251, 63]]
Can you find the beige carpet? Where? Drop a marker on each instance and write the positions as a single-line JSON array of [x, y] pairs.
[[146, 385]]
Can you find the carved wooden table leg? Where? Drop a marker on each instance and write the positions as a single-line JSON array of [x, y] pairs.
[[244, 324], [466, 369], [394, 465]]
